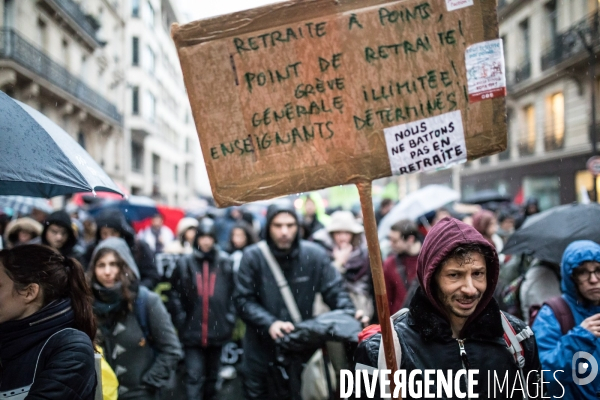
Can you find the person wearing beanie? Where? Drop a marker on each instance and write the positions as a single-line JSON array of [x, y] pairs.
[[60, 234], [453, 322], [202, 309]]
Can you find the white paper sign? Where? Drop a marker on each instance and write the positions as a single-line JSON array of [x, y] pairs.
[[485, 70], [427, 144], [452, 5]]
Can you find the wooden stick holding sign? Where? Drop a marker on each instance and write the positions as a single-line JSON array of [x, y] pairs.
[[308, 94], [381, 299]]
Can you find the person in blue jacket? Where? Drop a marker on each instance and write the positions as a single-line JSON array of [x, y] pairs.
[[580, 286]]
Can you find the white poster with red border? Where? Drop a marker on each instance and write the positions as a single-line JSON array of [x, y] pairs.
[[486, 73]]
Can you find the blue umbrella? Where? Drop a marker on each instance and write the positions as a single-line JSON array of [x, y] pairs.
[[39, 159], [135, 208]]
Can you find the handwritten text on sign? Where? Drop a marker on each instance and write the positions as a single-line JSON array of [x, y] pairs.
[[294, 106], [427, 144]]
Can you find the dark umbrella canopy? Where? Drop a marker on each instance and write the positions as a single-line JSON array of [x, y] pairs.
[[486, 196], [40, 159], [547, 235]]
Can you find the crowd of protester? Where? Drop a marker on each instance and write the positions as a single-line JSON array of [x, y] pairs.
[[218, 275]]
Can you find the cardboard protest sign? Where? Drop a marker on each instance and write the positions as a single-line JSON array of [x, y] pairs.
[[309, 94]]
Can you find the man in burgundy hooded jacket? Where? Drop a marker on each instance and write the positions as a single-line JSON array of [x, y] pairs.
[[454, 323]]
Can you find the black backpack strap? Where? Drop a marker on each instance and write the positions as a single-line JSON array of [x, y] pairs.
[[563, 313]]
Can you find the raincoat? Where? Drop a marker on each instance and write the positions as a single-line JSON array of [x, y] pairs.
[[556, 350]]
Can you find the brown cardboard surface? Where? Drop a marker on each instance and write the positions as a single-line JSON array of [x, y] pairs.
[[263, 134]]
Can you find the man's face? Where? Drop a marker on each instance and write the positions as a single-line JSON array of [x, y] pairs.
[[507, 224], [587, 279], [106, 232], [309, 208], [206, 243], [283, 230], [56, 236], [460, 287], [342, 239], [157, 222], [399, 245]]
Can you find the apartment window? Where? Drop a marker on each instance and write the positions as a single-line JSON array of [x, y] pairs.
[[554, 137], [523, 71], [155, 165], [149, 106], [149, 14], [135, 100], [527, 140], [187, 145], [484, 160], [135, 8], [135, 51], [186, 174], [66, 54], [137, 157], [525, 38], [176, 173], [149, 60], [551, 23]]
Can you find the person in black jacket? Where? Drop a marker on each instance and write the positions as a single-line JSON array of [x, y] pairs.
[[202, 307], [59, 233], [46, 326], [455, 324], [308, 271], [112, 223]]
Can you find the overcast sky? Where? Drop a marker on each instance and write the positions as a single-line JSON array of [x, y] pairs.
[[200, 9]]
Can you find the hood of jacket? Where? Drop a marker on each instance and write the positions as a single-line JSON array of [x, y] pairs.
[[282, 206], [114, 219], [120, 246], [62, 219], [575, 254], [441, 240], [25, 223]]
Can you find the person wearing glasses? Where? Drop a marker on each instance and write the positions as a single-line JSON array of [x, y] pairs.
[[563, 331]]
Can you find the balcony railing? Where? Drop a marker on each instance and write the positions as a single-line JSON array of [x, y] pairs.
[[570, 42], [551, 142], [77, 16], [16, 48]]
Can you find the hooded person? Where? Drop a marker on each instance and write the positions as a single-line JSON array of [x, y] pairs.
[[59, 233], [186, 232], [22, 231], [308, 271], [202, 288], [112, 223], [135, 329], [559, 345], [453, 322]]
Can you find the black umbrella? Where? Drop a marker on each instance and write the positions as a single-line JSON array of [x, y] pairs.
[[40, 159], [486, 196], [547, 235]]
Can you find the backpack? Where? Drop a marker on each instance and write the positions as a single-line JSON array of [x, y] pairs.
[[511, 297], [140, 307], [561, 310]]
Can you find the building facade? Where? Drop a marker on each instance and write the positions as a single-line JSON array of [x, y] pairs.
[[160, 135], [67, 62], [547, 48]]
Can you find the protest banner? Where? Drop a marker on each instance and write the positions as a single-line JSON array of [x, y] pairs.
[[308, 94]]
